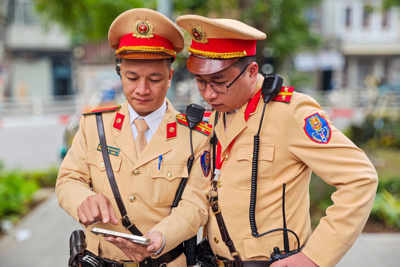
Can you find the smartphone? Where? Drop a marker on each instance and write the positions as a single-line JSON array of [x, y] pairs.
[[134, 238]]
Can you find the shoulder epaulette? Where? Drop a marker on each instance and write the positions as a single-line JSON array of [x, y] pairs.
[[202, 127], [285, 94], [95, 111]]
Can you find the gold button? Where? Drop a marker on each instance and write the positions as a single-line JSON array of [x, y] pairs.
[[132, 198], [251, 156], [169, 175], [226, 156], [216, 240], [219, 184], [102, 165], [136, 172]]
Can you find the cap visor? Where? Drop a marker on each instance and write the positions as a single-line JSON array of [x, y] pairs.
[[204, 66]]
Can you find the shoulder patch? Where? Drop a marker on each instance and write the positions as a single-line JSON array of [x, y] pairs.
[[95, 111], [202, 127], [317, 128], [285, 94]]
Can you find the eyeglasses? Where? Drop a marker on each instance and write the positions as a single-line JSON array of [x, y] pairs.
[[221, 88]]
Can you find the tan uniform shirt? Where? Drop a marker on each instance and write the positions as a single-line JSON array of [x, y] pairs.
[[288, 155], [147, 191]]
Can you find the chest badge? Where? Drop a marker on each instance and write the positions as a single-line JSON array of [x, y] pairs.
[[317, 128]]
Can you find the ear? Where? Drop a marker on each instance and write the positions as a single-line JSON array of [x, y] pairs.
[[171, 73], [253, 70]]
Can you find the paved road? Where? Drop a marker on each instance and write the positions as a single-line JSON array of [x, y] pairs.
[[50, 227]]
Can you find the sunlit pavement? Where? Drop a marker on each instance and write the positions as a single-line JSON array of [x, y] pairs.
[[41, 240]]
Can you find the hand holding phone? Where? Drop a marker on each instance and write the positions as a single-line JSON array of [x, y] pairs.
[[134, 238]]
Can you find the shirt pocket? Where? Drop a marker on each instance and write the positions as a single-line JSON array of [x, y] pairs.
[[100, 182], [261, 248], [243, 170], [165, 181]]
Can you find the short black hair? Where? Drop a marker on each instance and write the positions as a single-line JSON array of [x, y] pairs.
[[242, 62]]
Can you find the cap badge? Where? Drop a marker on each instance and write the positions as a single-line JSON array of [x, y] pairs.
[[198, 35], [143, 29]]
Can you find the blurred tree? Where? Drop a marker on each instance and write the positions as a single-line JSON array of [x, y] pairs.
[[284, 21]]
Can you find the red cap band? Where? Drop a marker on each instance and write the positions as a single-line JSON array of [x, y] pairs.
[[156, 44], [224, 48]]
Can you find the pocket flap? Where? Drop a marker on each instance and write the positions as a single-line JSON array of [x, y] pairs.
[[265, 152], [96, 159], [169, 171]]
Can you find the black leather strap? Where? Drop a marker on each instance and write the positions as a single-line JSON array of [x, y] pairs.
[[214, 203], [126, 222]]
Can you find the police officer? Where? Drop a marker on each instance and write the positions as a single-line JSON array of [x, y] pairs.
[[148, 173], [296, 138]]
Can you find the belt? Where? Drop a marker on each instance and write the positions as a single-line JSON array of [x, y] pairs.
[[224, 262], [148, 262]]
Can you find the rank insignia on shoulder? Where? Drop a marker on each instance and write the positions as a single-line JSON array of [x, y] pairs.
[[202, 127], [317, 128], [95, 111], [111, 150], [205, 161], [285, 94]]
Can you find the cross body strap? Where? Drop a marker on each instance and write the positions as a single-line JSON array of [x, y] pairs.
[[214, 203], [126, 222]]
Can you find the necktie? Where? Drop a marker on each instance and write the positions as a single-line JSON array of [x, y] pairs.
[[140, 141]]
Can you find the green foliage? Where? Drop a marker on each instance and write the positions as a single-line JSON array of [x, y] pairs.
[[45, 178], [17, 189], [16, 193], [85, 19], [377, 132], [387, 208]]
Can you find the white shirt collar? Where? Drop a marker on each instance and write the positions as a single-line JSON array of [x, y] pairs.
[[153, 120]]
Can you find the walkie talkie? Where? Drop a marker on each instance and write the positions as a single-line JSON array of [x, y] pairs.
[[271, 86]]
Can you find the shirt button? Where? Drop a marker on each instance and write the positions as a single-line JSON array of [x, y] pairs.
[[216, 240], [169, 174], [102, 165], [132, 198], [219, 184], [136, 172]]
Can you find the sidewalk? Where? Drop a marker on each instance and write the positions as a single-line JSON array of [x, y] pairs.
[[50, 228]]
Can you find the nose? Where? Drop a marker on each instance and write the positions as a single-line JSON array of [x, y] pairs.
[[142, 87], [209, 93]]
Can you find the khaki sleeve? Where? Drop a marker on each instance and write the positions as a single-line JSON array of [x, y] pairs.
[[192, 212], [339, 163], [73, 182]]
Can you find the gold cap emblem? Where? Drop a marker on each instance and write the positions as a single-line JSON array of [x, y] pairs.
[[143, 29], [198, 35]]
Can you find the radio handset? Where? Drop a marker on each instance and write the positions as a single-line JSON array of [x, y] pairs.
[[271, 86]]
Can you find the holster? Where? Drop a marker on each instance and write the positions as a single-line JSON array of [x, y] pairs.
[[204, 254], [77, 246]]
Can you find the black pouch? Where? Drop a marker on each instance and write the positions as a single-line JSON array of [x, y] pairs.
[[91, 260], [204, 254], [77, 246]]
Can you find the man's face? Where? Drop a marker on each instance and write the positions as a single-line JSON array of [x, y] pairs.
[[145, 83], [237, 95]]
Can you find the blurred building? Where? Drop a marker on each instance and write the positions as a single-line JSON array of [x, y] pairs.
[[37, 59], [361, 45]]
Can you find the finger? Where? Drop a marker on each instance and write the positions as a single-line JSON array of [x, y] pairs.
[[82, 217], [104, 205], [113, 219], [94, 207], [85, 207]]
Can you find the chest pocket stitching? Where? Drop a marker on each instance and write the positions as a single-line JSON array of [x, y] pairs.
[[266, 152]]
